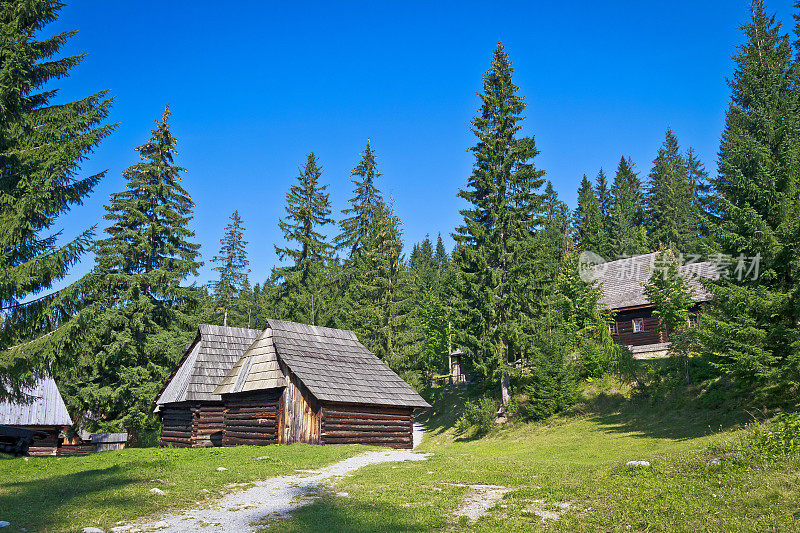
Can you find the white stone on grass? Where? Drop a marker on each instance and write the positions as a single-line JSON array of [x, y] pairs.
[[221, 469], [92, 530], [638, 463], [157, 492]]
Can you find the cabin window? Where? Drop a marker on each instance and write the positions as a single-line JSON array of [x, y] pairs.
[[612, 328], [638, 325]]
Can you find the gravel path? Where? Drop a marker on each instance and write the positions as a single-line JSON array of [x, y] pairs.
[[267, 499]]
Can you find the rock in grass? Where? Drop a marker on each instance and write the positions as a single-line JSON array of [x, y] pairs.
[[262, 458], [156, 491], [716, 461], [92, 530], [638, 463], [221, 469]]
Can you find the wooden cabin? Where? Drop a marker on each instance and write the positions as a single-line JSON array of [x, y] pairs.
[[622, 282], [191, 414], [301, 383], [41, 410]]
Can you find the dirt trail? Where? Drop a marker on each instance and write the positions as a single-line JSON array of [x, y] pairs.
[[267, 499]]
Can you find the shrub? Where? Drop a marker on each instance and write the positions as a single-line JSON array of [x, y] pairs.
[[780, 436], [478, 417]]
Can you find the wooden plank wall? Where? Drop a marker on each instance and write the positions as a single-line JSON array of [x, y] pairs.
[[378, 425], [176, 425], [300, 417], [251, 418]]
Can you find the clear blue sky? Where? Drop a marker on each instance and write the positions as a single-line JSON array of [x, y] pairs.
[[255, 86]]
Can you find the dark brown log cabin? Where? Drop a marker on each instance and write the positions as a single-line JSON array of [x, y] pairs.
[[622, 282], [41, 409], [191, 414], [300, 383]]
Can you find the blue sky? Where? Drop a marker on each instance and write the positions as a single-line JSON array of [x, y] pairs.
[[255, 86]]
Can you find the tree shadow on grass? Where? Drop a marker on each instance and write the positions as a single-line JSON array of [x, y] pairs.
[[662, 418], [331, 514], [43, 504]]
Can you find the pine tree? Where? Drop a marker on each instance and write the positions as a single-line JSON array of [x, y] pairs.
[[672, 215], [42, 144], [497, 233], [354, 228], [751, 332], [303, 281], [628, 234], [143, 312], [233, 279], [590, 233]]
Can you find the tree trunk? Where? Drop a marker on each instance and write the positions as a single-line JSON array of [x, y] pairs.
[[504, 381]]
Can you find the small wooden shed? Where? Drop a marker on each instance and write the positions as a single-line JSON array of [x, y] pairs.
[[191, 414], [42, 410], [301, 383]]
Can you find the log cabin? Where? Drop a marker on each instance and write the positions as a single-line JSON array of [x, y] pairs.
[[41, 410], [622, 282], [301, 383], [191, 414]]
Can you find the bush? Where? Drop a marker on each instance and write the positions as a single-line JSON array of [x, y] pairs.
[[551, 386], [478, 417], [778, 437]]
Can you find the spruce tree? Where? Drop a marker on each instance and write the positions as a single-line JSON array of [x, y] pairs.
[[233, 281], [606, 202], [42, 143], [672, 216], [440, 257], [360, 215], [751, 332], [496, 237], [628, 235], [143, 312], [383, 291], [590, 234], [304, 280], [673, 299]]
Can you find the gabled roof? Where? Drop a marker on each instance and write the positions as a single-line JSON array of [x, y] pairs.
[[331, 363], [207, 360], [623, 280], [44, 408]]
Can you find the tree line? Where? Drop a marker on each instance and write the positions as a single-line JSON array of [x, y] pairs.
[[508, 295]]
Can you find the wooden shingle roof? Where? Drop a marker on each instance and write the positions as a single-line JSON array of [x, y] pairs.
[[207, 360], [623, 280], [43, 406], [331, 363]]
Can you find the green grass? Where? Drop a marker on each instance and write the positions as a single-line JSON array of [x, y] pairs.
[[69, 493], [577, 460]]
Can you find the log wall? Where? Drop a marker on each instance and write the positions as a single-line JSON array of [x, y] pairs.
[[47, 445], [251, 418], [651, 333], [371, 425], [208, 423], [176, 425]]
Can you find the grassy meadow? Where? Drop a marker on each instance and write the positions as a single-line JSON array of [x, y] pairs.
[[703, 476]]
